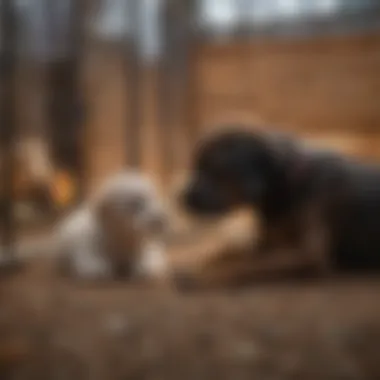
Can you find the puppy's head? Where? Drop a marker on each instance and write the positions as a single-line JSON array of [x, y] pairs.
[[128, 202], [236, 167]]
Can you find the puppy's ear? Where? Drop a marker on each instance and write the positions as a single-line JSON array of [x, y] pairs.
[[103, 209]]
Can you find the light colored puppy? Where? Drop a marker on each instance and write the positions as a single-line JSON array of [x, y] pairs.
[[117, 232]]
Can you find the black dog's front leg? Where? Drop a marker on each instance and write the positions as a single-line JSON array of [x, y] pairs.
[[301, 244]]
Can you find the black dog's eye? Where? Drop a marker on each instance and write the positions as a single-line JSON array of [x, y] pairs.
[[215, 168]]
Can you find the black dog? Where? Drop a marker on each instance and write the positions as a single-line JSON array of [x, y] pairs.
[[319, 210]]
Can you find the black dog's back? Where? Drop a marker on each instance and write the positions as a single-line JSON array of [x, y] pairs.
[[353, 215], [356, 244]]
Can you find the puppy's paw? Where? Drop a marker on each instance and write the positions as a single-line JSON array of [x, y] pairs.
[[185, 281], [93, 273], [153, 262], [92, 270]]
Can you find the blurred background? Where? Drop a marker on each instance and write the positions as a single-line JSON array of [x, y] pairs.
[[91, 86], [88, 87]]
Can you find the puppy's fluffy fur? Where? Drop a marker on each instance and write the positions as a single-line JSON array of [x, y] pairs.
[[118, 232]]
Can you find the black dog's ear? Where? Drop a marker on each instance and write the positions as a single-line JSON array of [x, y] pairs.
[[252, 189]]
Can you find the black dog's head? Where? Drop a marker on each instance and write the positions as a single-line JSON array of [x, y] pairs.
[[236, 168]]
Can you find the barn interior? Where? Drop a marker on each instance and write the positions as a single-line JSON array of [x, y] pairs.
[[91, 87]]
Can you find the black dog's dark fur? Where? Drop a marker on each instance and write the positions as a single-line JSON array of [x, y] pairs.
[[284, 181]]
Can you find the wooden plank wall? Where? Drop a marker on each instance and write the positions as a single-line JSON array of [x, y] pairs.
[[326, 89]]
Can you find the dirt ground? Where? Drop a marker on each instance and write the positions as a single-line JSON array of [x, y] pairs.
[[53, 329]]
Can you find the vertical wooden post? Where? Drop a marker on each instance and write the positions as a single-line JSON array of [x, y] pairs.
[[134, 86], [188, 75], [66, 108], [177, 82], [8, 48], [164, 99]]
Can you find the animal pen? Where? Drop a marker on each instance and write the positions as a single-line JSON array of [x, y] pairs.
[[79, 104]]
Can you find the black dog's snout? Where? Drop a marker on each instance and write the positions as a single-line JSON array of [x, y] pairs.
[[190, 199], [202, 198]]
